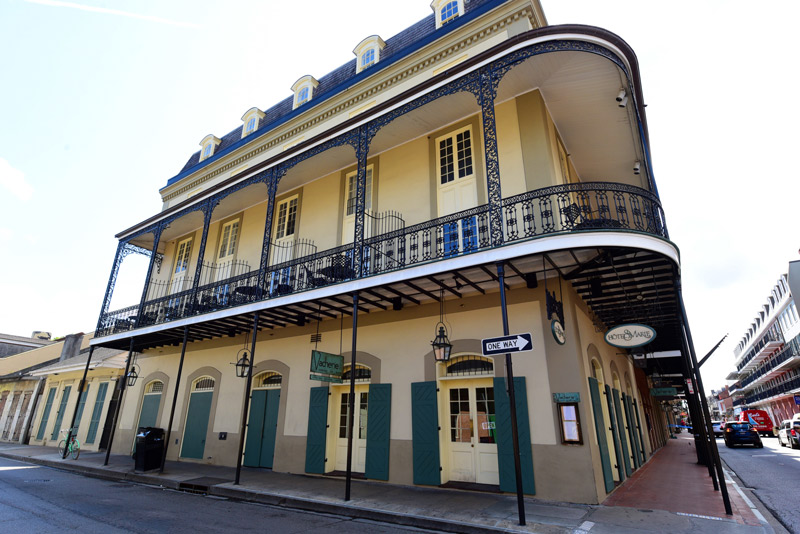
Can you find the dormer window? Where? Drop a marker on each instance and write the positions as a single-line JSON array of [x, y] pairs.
[[304, 90], [447, 10], [250, 120], [368, 52], [208, 144]]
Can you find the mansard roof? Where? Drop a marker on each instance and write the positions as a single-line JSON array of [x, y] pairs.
[[401, 45]]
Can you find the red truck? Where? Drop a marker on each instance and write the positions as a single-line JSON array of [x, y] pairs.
[[760, 420]]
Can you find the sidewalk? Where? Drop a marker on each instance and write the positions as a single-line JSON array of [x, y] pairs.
[[671, 493]]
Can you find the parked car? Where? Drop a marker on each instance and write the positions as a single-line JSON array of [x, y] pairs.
[[760, 420], [789, 433], [740, 433], [717, 428]]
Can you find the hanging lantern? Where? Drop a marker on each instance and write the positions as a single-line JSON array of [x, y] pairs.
[[243, 364], [133, 374], [441, 344]]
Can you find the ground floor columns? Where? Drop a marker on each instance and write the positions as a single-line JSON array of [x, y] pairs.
[[78, 402], [174, 397], [352, 397], [246, 406], [511, 397], [123, 380]]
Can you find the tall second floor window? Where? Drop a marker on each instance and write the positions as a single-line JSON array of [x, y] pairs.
[[183, 255], [228, 238], [455, 156], [287, 218], [352, 183]]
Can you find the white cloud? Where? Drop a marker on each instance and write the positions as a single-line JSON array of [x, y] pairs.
[[14, 180], [5, 234], [58, 3]]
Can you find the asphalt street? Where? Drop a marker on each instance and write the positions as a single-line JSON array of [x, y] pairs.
[[36, 499], [772, 473]]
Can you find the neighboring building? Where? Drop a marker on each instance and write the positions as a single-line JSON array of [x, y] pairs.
[[768, 357], [20, 391], [724, 403], [10, 345], [353, 215], [95, 404]]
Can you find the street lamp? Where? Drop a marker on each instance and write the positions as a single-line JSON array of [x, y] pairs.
[[133, 374], [243, 363], [441, 344]]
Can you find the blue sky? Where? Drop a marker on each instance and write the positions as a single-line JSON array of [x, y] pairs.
[[102, 102]]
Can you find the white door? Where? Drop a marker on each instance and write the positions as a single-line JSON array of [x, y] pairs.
[[349, 221], [183, 255], [282, 282], [359, 428], [228, 238], [472, 443], [456, 189]]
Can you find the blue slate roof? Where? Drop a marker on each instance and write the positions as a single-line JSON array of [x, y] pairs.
[[340, 79]]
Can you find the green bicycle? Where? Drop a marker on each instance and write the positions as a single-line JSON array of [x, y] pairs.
[[73, 448]]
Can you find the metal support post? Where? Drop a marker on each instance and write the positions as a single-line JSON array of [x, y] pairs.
[[122, 383], [77, 404], [246, 400], [174, 397], [351, 407], [511, 397]]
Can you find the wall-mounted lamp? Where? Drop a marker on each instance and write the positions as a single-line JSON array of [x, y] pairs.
[[133, 374], [636, 167], [243, 360]]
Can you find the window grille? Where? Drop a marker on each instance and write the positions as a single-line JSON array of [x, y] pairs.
[[470, 366], [205, 383], [269, 379], [156, 386], [363, 373]]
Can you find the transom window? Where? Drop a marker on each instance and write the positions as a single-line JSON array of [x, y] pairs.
[[287, 218], [363, 373], [469, 365], [228, 238], [183, 255], [156, 386], [204, 383], [455, 156], [268, 380]]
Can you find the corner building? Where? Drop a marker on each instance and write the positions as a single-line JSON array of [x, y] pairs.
[[476, 147]]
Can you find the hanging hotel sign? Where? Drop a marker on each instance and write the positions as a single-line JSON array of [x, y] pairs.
[[326, 367], [627, 336], [558, 331]]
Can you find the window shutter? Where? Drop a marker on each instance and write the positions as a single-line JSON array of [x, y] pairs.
[[600, 429], [317, 430], [425, 434], [615, 433], [505, 443], [378, 431], [621, 432]]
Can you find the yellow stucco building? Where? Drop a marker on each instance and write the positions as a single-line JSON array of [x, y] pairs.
[[479, 165]]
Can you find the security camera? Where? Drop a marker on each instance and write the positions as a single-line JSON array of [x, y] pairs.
[[636, 167], [621, 95], [623, 102]]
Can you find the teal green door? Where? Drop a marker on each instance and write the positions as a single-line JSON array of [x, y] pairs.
[[194, 437], [149, 412], [262, 427], [60, 414], [46, 413], [94, 422], [81, 405]]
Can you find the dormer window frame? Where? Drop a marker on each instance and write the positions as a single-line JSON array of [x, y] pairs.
[[304, 90], [447, 11], [208, 146], [368, 52], [250, 121]]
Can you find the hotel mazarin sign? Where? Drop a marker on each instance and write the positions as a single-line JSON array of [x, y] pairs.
[[630, 335]]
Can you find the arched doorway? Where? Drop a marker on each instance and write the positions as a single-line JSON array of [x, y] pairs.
[[196, 428], [466, 385], [262, 425], [151, 401]]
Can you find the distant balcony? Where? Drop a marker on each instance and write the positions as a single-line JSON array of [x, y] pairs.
[[564, 209], [766, 347]]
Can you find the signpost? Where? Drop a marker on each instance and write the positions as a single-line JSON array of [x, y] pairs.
[[507, 344]]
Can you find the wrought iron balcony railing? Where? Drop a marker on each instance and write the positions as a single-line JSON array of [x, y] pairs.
[[553, 210]]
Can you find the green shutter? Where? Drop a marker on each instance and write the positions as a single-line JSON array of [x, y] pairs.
[[614, 424], [425, 434], [149, 413], [621, 432], [196, 428], [270, 428], [46, 413], [639, 429], [81, 405], [96, 412], [600, 430], [505, 442], [62, 406], [317, 430], [255, 428], [378, 427], [626, 400]]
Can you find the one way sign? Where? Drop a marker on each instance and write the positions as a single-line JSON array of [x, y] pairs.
[[505, 344]]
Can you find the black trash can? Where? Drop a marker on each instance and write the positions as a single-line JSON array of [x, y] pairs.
[[702, 451], [149, 448]]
